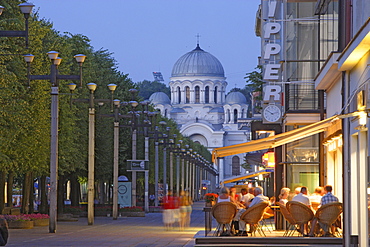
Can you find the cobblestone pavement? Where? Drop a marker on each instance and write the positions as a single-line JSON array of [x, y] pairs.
[[125, 231]]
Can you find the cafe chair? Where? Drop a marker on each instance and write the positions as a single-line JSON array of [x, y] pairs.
[[292, 224], [328, 214], [253, 216], [301, 213], [224, 213]]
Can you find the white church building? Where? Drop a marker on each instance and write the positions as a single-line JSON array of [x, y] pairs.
[[201, 108]]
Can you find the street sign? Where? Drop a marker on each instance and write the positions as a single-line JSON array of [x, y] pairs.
[[137, 165]]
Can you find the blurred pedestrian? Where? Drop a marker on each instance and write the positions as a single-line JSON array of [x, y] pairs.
[[185, 209], [168, 205]]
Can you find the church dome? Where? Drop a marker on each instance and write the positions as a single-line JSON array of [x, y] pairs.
[[159, 98], [198, 63], [236, 98]]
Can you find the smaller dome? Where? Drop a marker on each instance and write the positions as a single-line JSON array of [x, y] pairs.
[[159, 98], [236, 98]]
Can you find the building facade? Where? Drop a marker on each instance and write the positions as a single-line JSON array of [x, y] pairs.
[[202, 109], [345, 78]]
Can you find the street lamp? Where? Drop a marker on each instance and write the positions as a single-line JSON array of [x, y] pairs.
[[91, 148], [156, 136], [163, 142], [54, 78], [116, 103], [26, 9], [139, 119]]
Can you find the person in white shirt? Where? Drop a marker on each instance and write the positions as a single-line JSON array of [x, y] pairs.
[[316, 196], [303, 197], [258, 196], [246, 197]]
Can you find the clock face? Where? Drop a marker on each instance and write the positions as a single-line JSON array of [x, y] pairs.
[[272, 113], [122, 189]]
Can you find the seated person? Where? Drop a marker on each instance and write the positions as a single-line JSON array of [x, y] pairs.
[[327, 198], [303, 198], [224, 195], [283, 197], [258, 197]]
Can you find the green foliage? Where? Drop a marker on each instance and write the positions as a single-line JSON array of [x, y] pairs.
[[147, 88], [255, 87], [254, 80]]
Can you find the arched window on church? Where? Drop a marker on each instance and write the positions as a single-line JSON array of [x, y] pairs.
[[197, 94], [206, 95], [215, 94], [235, 166], [235, 116], [178, 95], [165, 113], [228, 116], [242, 116], [187, 95]]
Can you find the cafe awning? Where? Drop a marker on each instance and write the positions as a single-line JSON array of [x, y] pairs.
[[274, 141], [281, 139], [245, 176]]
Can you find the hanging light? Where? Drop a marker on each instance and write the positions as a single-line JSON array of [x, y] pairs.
[[268, 159]]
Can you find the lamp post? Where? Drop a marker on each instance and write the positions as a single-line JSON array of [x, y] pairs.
[[171, 143], [164, 143], [115, 158], [156, 136], [54, 78], [178, 151], [134, 124], [26, 9], [91, 145]]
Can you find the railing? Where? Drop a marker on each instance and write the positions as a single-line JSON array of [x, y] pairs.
[[301, 97]]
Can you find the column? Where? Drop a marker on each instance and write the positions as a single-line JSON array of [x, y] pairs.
[[362, 205], [178, 174], [182, 174], [171, 171]]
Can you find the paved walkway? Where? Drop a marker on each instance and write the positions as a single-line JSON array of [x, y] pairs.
[[125, 231]]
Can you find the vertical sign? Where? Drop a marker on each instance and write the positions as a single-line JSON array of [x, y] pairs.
[[124, 194]]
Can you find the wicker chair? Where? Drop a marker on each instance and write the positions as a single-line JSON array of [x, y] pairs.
[[328, 214], [224, 213], [253, 215], [289, 218], [300, 213]]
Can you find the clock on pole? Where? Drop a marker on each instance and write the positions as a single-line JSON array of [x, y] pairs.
[[271, 113]]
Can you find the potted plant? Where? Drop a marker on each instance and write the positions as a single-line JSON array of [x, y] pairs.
[[210, 199], [38, 219], [18, 221]]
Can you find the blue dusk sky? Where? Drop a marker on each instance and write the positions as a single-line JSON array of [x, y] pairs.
[[150, 35]]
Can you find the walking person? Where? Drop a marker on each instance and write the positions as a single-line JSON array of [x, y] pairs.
[[185, 209], [169, 205]]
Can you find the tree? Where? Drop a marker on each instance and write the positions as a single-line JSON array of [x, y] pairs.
[[147, 88], [255, 84]]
